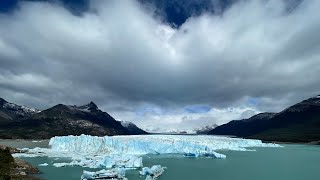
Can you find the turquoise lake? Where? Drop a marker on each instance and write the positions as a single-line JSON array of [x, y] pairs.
[[292, 162]]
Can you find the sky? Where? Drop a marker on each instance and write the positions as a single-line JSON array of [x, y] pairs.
[[164, 65]]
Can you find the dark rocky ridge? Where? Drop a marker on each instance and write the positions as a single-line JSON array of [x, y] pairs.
[[298, 123], [59, 120], [244, 127], [10, 111]]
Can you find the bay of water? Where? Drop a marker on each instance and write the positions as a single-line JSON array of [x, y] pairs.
[[292, 162]]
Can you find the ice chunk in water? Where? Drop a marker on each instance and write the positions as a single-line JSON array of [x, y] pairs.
[[44, 164], [152, 173], [115, 174], [205, 154], [126, 161], [111, 161]]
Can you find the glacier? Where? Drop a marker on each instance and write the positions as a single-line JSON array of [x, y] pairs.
[[152, 144], [127, 151]]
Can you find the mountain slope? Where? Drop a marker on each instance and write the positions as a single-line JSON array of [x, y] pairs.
[[10, 111], [205, 129], [298, 123], [61, 120], [244, 127], [132, 128]]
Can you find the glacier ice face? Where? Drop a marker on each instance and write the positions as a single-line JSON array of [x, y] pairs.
[[151, 144], [125, 151]]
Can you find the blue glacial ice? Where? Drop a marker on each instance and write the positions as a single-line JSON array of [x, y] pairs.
[[152, 173], [126, 151], [115, 174], [151, 144], [103, 161], [43, 164]]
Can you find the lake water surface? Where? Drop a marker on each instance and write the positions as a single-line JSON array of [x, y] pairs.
[[292, 162]]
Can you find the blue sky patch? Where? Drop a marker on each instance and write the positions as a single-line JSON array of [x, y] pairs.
[[199, 108]]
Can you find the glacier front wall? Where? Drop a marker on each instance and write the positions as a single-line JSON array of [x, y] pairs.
[[151, 144], [126, 151]]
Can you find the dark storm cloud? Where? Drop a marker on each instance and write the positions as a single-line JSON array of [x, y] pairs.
[[176, 12], [119, 54]]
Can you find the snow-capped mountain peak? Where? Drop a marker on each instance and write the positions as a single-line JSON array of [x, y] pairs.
[[2, 102], [88, 107], [314, 100], [126, 123], [317, 97], [131, 127], [17, 109], [205, 129]]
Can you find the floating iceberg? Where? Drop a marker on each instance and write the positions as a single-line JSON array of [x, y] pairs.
[[205, 154], [109, 161], [152, 173], [115, 174], [44, 164], [125, 161], [126, 151]]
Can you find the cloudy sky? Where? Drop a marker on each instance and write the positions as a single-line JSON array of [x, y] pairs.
[[164, 65]]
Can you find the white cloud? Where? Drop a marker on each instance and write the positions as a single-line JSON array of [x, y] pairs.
[[180, 120], [120, 55]]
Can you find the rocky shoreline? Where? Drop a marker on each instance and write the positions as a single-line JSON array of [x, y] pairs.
[[15, 168]]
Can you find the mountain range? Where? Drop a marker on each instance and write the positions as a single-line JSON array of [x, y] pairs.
[[21, 122], [297, 123]]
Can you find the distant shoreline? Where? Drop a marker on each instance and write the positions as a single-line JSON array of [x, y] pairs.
[[302, 143]]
